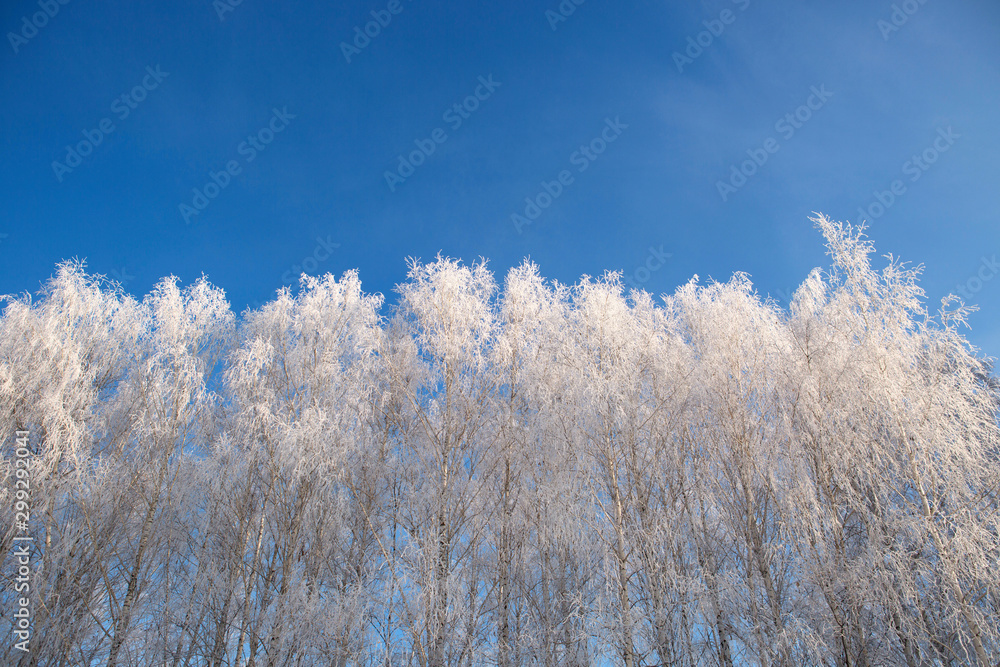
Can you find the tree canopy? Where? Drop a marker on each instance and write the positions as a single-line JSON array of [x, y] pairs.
[[530, 473]]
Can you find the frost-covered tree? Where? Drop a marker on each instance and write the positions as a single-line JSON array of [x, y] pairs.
[[114, 395], [526, 474]]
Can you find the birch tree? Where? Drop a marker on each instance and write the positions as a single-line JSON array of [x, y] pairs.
[[533, 474]]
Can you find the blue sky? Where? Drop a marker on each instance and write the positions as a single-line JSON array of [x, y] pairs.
[[641, 108]]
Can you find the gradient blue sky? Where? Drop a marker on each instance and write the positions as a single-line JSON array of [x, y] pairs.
[[654, 187]]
